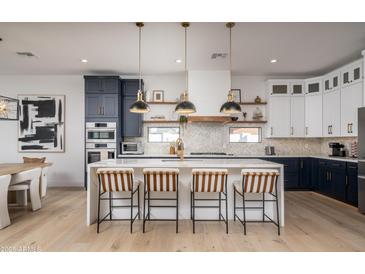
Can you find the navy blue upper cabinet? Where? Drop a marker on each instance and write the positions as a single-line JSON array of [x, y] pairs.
[[101, 105], [132, 123], [130, 87], [351, 184], [102, 84]]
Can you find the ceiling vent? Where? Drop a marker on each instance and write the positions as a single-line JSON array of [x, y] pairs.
[[26, 54], [219, 56]]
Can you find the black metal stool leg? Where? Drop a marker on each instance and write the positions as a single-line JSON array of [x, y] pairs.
[[234, 204], [220, 206], [98, 224], [149, 209], [244, 212], [226, 213], [131, 224], [144, 210], [277, 207], [191, 205], [110, 205], [177, 210], [139, 209], [263, 206], [193, 195]]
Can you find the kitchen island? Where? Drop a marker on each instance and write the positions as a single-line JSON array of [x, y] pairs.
[[234, 167]]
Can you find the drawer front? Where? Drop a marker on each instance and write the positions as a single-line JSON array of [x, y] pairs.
[[337, 165], [352, 169]]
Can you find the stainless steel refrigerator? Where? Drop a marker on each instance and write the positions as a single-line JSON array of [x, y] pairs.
[[361, 155]]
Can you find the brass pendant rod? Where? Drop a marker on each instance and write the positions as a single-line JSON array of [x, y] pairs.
[[139, 56]]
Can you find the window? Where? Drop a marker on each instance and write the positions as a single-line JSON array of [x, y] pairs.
[[163, 134], [245, 135]]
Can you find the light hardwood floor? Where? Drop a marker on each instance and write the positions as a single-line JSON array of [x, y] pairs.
[[313, 223]]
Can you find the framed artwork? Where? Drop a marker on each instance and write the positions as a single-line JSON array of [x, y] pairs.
[[41, 123], [158, 95], [9, 108], [236, 95]]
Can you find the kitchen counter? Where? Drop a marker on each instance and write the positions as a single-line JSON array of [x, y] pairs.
[[236, 156], [233, 165]]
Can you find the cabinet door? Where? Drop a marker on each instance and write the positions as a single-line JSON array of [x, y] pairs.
[[279, 116], [305, 171], [93, 85], [297, 87], [313, 115], [351, 184], [323, 182], [352, 74], [331, 113], [351, 100], [338, 183], [132, 122], [130, 87], [297, 116], [110, 105], [313, 85], [93, 105], [315, 174], [110, 85]]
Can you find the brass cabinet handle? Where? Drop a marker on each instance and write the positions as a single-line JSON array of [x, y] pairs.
[[347, 180], [271, 131], [306, 130], [291, 130]]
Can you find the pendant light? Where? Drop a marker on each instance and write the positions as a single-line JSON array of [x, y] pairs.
[[139, 106], [185, 106], [230, 107]]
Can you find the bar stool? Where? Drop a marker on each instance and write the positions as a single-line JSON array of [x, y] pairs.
[[160, 180], [257, 181], [209, 181], [117, 180]]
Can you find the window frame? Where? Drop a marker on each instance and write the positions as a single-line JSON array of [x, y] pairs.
[[148, 134], [260, 136]]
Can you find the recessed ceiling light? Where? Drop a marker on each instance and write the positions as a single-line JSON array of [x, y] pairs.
[[273, 61], [178, 61], [84, 61]]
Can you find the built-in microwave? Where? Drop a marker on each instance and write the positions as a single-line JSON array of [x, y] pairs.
[[131, 148], [101, 132]]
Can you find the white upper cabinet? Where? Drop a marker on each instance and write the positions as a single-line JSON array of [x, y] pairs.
[[351, 100], [279, 116], [313, 85], [313, 115], [296, 87], [352, 73], [286, 87], [331, 81], [297, 117], [331, 113], [278, 87]]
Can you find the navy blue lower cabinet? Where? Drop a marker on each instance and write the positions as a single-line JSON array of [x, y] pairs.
[[291, 171], [351, 184], [324, 186], [314, 176], [305, 172]]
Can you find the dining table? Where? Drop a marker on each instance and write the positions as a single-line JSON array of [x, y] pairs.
[[7, 170]]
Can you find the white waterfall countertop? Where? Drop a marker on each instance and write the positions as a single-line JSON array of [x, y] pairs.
[[233, 165]]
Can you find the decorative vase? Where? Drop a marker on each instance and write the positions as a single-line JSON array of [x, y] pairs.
[[257, 100]]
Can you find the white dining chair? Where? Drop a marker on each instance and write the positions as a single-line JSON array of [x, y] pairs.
[[24, 181], [44, 182], [4, 214]]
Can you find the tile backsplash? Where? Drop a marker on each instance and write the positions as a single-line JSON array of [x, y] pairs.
[[199, 137]]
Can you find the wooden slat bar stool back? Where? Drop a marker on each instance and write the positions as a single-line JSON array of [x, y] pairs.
[[157, 180], [209, 181], [118, 180], [257, 181]]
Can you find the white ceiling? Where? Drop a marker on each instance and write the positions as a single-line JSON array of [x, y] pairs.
[[111, 48]]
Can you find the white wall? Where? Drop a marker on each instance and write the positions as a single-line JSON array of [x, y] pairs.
[[68, 167]]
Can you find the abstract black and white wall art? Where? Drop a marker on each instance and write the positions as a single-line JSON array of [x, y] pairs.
[[41, 123]]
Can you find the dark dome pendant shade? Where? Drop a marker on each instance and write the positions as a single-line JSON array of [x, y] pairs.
[[139, 106], [230, 107], [185, 106]]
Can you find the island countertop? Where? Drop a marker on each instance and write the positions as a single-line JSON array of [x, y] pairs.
[[234, 167]]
